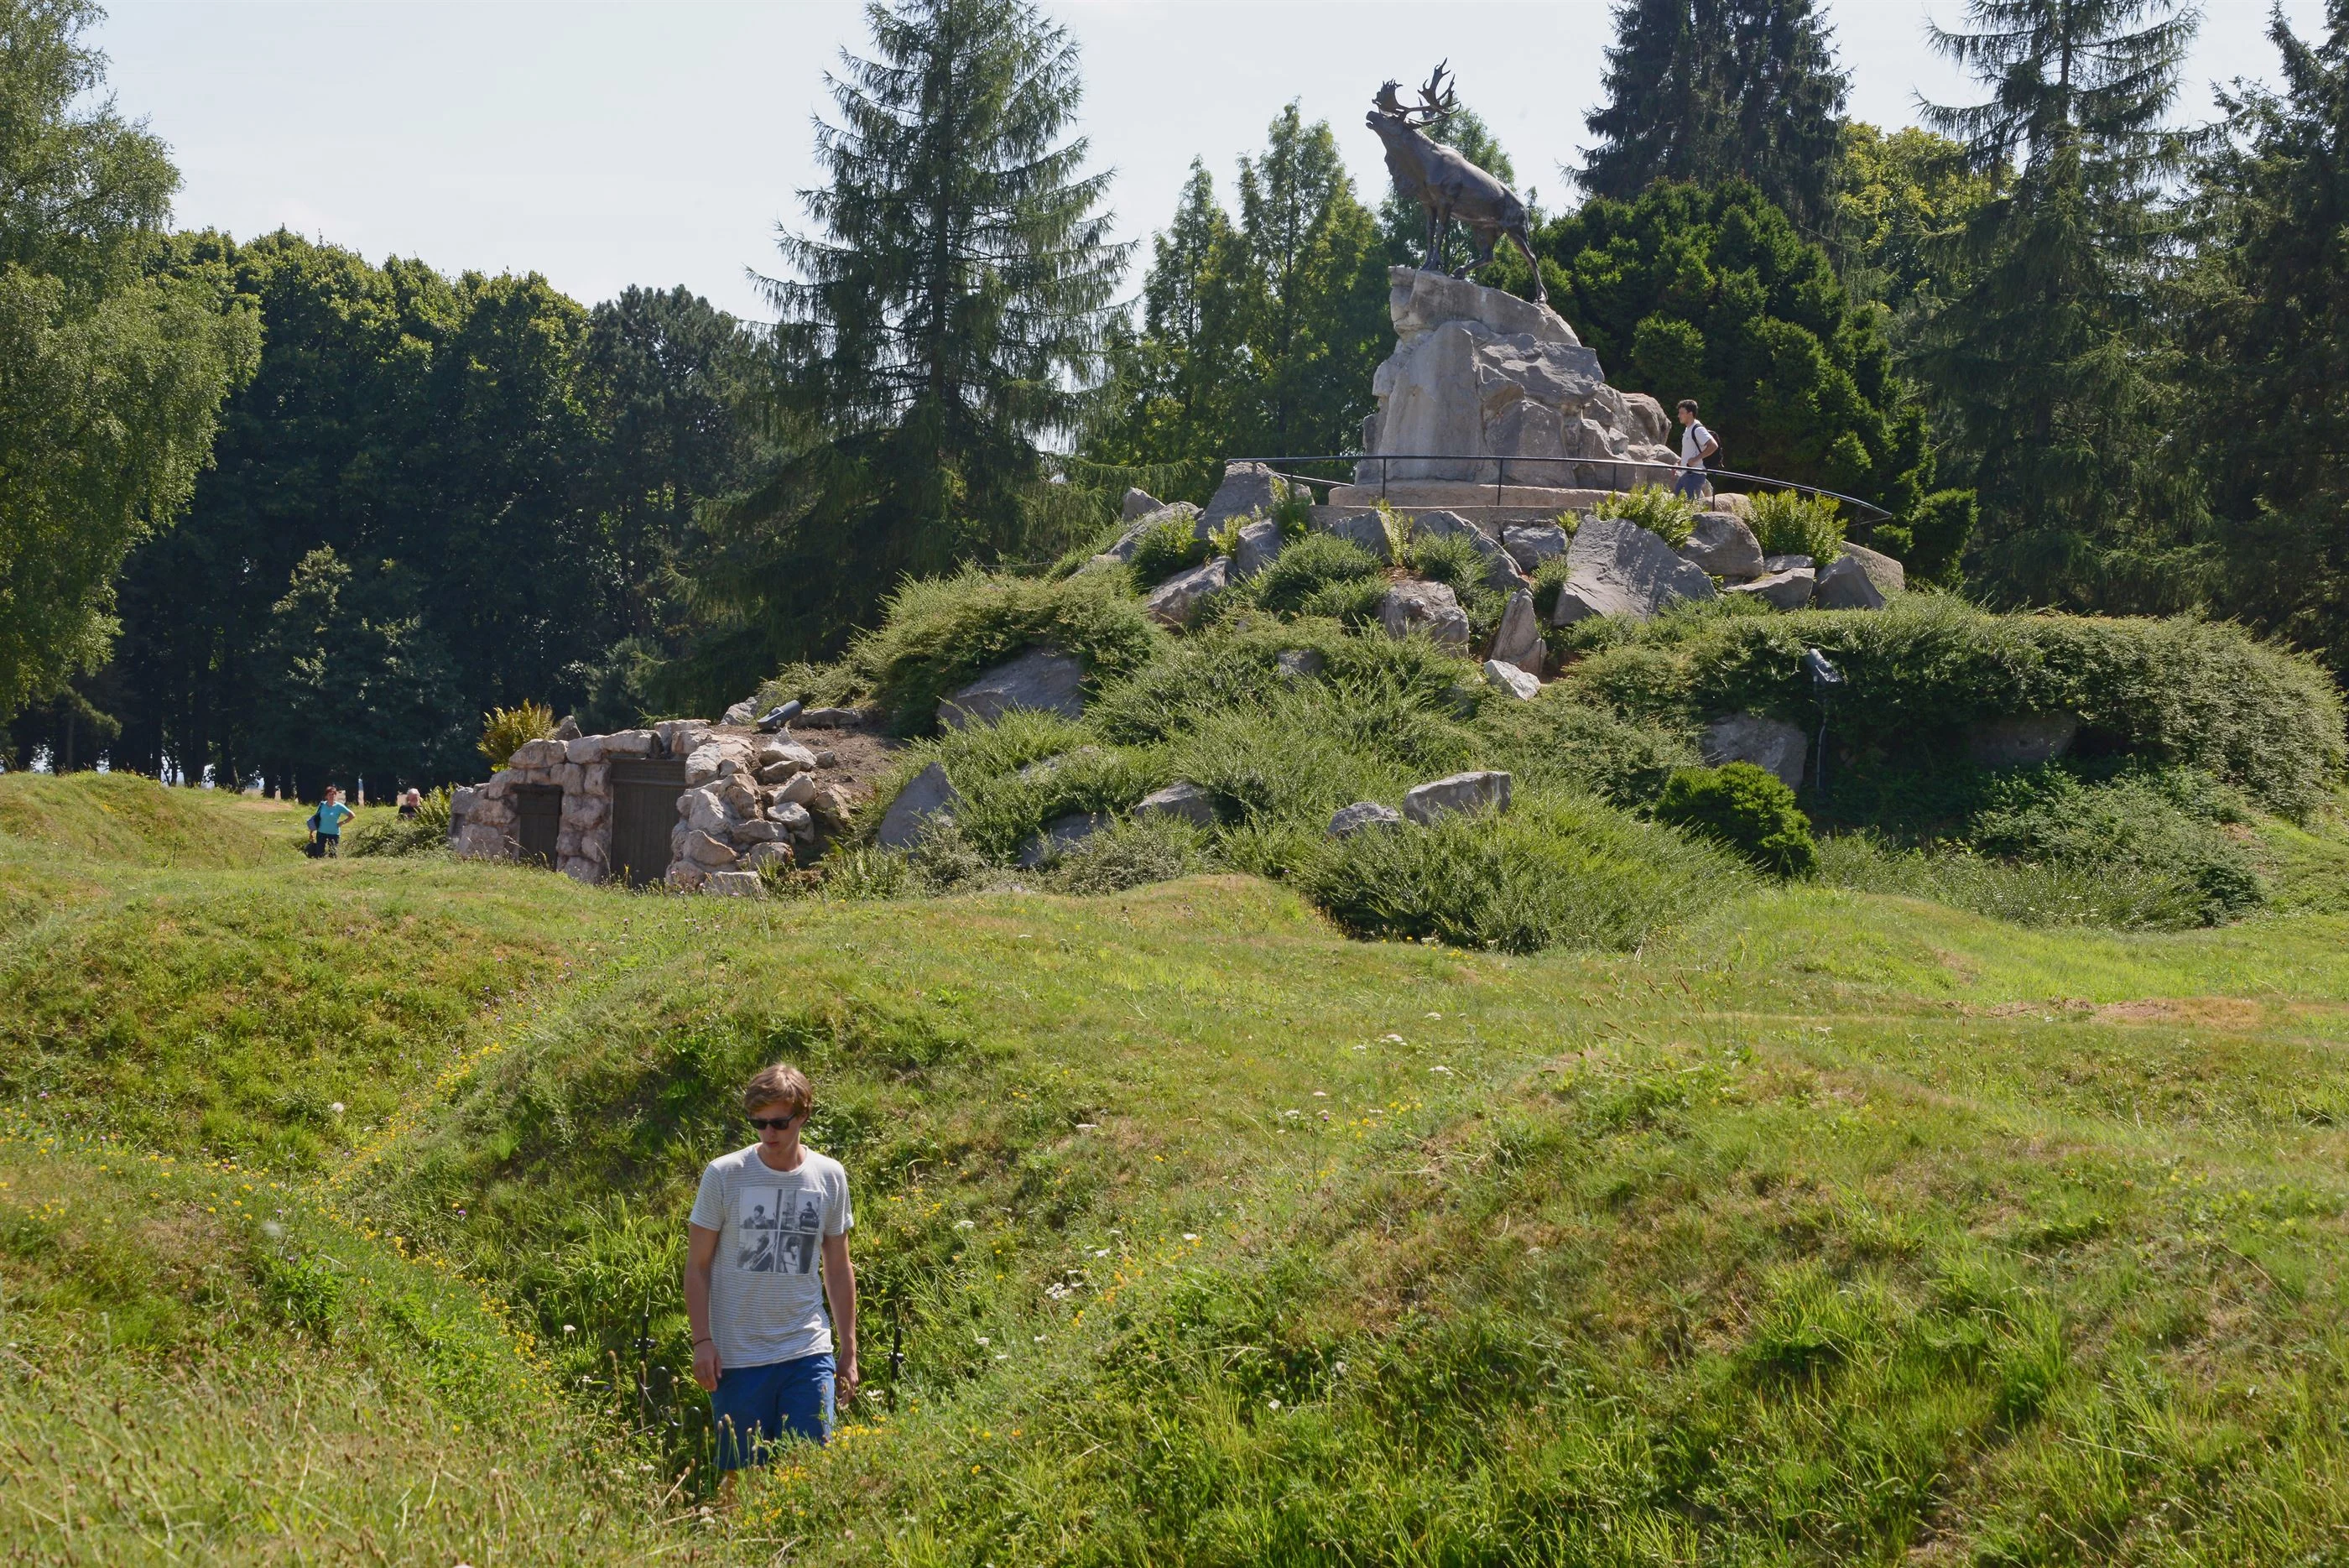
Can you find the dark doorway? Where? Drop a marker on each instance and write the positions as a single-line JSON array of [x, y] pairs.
[[644, 811], [538, 822]]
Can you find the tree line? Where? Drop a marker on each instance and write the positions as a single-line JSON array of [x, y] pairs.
[[273, 511]]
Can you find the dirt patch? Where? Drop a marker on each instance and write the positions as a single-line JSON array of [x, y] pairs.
[[2209, 1011]]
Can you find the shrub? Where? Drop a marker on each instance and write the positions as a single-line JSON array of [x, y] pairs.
[[2178, 692], [2123, 897], [1553, 872], [1126, 855], [1554, 740], [391, 834], [1653, 507], [1170, 547], [1294, 512], [1788, 522], [1307, 566], [941, 631], [1354, 603], [1746, 808], [2163, 828], [504, 731]]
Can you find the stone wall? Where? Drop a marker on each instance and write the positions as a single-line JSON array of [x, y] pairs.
[[748, 798]]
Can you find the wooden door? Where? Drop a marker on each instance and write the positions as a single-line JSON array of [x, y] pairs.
[[644, 811], [538, 812]]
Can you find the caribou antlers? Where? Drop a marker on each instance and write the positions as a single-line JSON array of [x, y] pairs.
[[1436, 101]]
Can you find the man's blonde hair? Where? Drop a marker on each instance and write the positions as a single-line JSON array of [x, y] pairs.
[[778, 1085]]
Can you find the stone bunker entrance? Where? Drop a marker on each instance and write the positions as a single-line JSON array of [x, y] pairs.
[[682, 802]]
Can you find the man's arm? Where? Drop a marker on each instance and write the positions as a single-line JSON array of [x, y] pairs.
[[701, 1250], [840, 1289]]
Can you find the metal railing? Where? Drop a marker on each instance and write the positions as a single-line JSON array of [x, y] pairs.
[[1869, 512]]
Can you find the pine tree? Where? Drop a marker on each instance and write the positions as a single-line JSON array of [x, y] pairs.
[[1317, 293], [942, 318], [1258, 337], [1709, 91], [2275, 206], [2049, 360]]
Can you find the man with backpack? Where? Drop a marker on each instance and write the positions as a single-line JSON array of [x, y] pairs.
[[1698, 447]]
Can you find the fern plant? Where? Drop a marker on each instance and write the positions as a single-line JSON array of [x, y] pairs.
[[1788, 524], [504, 730], [1654, 508]]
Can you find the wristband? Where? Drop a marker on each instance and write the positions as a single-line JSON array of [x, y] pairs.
[[699, 1343]]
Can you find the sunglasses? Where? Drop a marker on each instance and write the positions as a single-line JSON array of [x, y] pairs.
[[777, 1123]]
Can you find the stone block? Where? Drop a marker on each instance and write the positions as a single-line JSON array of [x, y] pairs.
[[536, 755], [1138, 503], [757, 830], [1043, 679], [745, 713], [704, 850], [1366, 531], [1530, 546], [1617, 567], [1519, 640], [1431, 608], [1176, 602], [586, 748], [685, 876], [580, 868], [1060, 835], [1889, 576], [1722, 545], [831, 719], [630, 744], [1360, 816], [1844, 584], [1786, 590], [1182, 801], [1771, 744], [1483, 790], [734, 884], [761, 855], [1247, 487], [798, 790], [1259, 545], [1506, 676], [928, 793], [795, 821]]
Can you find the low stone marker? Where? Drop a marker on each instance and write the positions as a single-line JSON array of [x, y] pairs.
[[1519, 640], [1485, 790], [1360, 816], [1182, 801], [1417, 606], [1617, 567], [929, 794], [1769, 744], [1043, 679]]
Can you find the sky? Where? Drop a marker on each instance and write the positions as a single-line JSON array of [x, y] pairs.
[[610, 142]]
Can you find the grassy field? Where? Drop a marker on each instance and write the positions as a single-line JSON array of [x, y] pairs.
[[341, 1206]]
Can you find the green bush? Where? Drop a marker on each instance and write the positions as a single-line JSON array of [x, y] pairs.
[[1168, 548], [1553, 740], [1126, 855], [1653, 507], [2053, 893], [1745, 807], [2165, 828], [1306, 567], [504, 731], [1556, 871], [1789, 522], [940, 632], [391, 834], [2178, 692]]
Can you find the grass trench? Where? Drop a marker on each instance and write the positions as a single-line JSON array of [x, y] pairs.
[[1829, 1226]]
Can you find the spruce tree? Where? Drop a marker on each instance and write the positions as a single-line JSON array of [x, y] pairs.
[[950, 302], [2049, 360], [2275, 298], [1709, 91]]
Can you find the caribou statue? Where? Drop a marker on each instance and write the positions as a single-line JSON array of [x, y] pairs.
[[1446, 184]]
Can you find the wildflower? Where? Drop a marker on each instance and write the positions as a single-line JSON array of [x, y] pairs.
[[337, 1107], [1190, 1235]]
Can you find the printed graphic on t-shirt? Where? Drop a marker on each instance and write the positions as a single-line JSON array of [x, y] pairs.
[[773, 1241]]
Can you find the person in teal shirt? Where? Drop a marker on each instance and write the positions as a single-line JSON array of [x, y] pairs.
[[328, 820]]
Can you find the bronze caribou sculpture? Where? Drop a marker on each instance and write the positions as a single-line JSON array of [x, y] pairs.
[[1446, 184]]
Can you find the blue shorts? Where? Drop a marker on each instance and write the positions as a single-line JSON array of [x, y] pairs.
[[755, 1407]]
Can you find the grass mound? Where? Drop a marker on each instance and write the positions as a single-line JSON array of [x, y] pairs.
[[131, 819]]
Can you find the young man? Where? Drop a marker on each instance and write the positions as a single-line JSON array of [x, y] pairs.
[[330, 816], [1697, 449], [761, 1346]]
